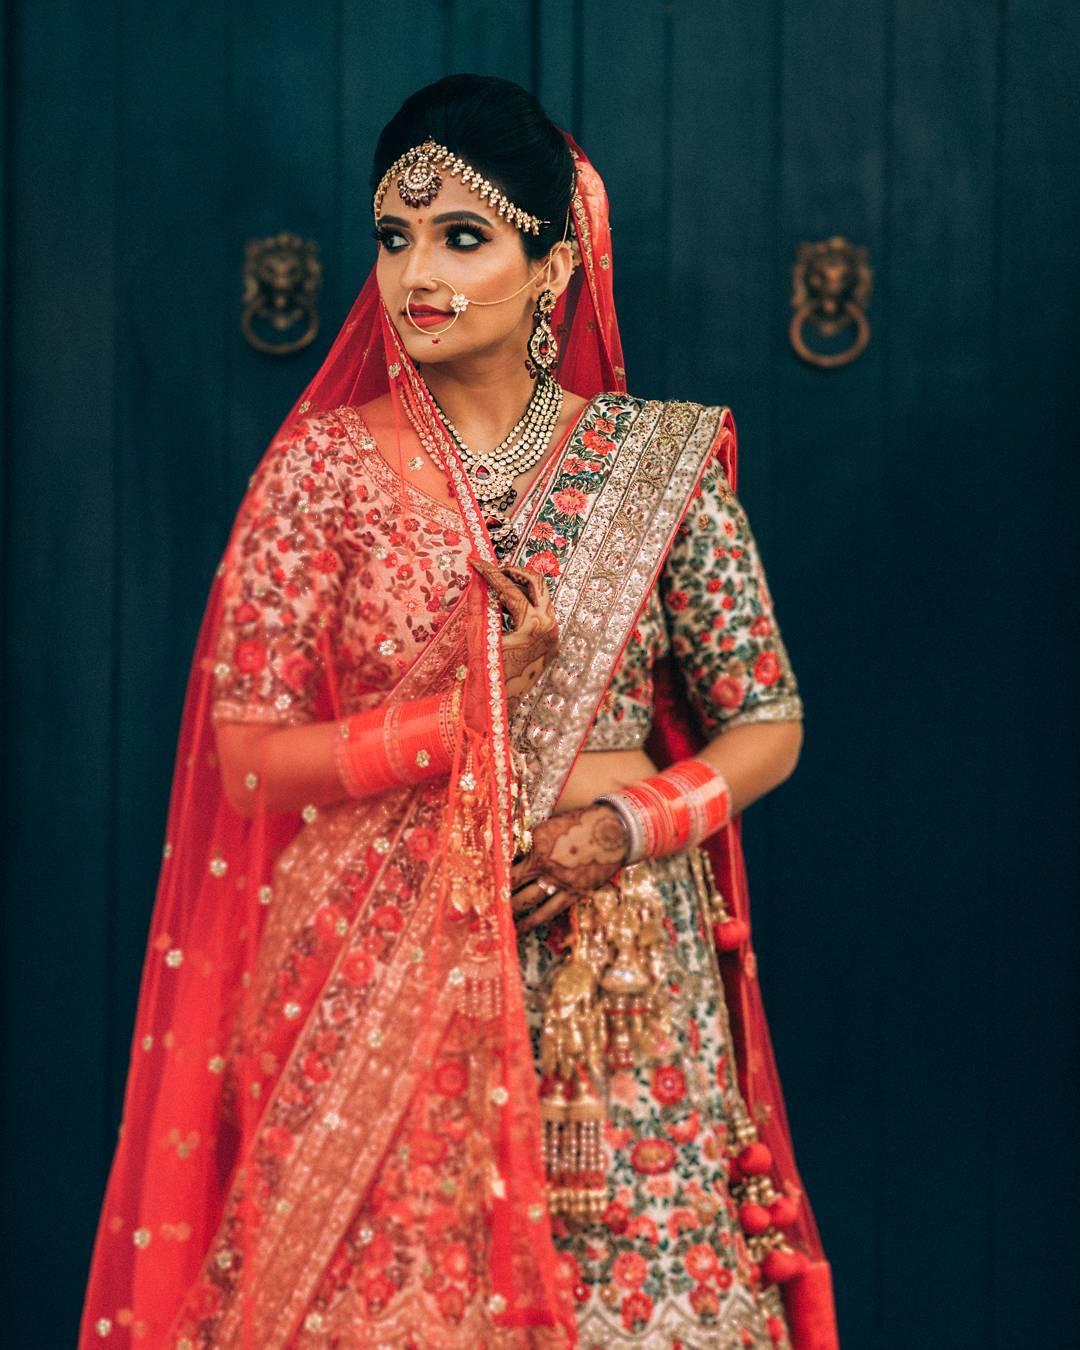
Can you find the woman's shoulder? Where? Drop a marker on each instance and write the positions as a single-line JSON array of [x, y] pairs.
[[303, 462], [700, 426], [322, 437], [671, 408]]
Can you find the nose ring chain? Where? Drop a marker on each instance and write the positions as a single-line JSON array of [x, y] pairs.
[[459, 302]]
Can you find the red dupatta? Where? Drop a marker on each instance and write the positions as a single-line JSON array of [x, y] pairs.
[[261, 1104]]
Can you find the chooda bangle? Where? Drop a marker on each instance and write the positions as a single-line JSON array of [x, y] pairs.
[[680, 806], [389, 747]]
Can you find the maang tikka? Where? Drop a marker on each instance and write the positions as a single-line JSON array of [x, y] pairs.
[[543, 345], [419, 173]]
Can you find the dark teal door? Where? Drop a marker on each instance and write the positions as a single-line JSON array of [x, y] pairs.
[[914, 883]]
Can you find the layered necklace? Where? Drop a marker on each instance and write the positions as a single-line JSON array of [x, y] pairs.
[[491, 473]]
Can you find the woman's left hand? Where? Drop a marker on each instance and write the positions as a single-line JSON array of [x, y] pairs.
[[572, 852]]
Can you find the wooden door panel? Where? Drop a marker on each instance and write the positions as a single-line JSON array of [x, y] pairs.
[[913, 883]]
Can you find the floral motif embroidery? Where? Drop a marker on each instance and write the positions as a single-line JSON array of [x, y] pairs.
[[586, 463], [669, 1251], [324, 544], [721, 616], [398, 1252], [712, 609], [283, 574], [670, 1244]]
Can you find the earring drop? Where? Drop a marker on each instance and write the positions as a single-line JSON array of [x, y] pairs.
[[543, 345]]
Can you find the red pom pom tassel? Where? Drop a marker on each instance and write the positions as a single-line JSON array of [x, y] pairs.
[[784, 1210], [779, 1266], [755, 1160], [775, 1328], [754, 1218], [730, 935]]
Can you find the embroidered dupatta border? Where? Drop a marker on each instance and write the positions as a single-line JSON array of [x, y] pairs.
[[610, 567], [334, 1161]]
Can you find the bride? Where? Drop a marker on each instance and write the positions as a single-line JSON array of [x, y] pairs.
[[449, 1032]]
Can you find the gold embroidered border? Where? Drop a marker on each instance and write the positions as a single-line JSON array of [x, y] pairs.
[[582, 218], [599, 593], [338, 1154], [630, 734], [788, 708]]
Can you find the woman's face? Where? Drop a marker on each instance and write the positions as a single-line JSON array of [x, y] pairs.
[[459, 244]]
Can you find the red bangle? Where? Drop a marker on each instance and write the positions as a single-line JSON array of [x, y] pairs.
[[385, 748], [680, 806]]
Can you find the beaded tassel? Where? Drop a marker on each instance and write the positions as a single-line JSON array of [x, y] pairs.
[[729, 933], [761, 1209], [466, 854], [606, 1007], [478, 975]]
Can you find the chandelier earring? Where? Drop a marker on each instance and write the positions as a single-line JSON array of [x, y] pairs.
[[543, 345]]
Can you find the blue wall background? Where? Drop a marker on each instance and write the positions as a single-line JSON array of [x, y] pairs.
[[915, 881]]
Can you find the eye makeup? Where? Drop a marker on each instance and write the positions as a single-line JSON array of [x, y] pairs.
[[385, 234]]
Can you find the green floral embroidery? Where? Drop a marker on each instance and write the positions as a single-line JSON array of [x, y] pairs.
[[584, 471], [712, 609], [670, 1239], [721, 617]]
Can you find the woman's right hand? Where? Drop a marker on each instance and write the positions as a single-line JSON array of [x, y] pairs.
[[534, 640]]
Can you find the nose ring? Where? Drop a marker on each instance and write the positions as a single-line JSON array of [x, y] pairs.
[[458, 303]]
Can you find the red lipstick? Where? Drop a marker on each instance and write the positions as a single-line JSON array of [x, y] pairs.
[[427, 316]]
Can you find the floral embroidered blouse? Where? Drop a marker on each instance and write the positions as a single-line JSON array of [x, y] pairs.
[[322, 544], [711, 608]]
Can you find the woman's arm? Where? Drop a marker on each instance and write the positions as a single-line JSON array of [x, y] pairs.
[[314, 765], [737, 676], [754, 758], [728, 645], [283, 580], [295, 764]]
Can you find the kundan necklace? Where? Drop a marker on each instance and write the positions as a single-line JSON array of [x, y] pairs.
[[491, 473]]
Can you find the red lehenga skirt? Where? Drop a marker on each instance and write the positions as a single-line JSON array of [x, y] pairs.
[[665, 1264]]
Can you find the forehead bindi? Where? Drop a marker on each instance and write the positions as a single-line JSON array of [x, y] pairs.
[[452, 199]]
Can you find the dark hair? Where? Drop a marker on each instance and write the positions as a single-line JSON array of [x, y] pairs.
[[498, 128]]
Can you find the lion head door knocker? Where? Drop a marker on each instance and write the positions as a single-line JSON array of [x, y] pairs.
[[831, 291], [282, 281]]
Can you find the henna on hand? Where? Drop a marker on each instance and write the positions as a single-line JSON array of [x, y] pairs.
[[534, 640], [577, 850]]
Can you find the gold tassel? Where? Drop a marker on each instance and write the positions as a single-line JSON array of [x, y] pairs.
[[571, 1045], [478, 973], [729, 933], [607, 1003], [586, 1185], [634, 994]]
